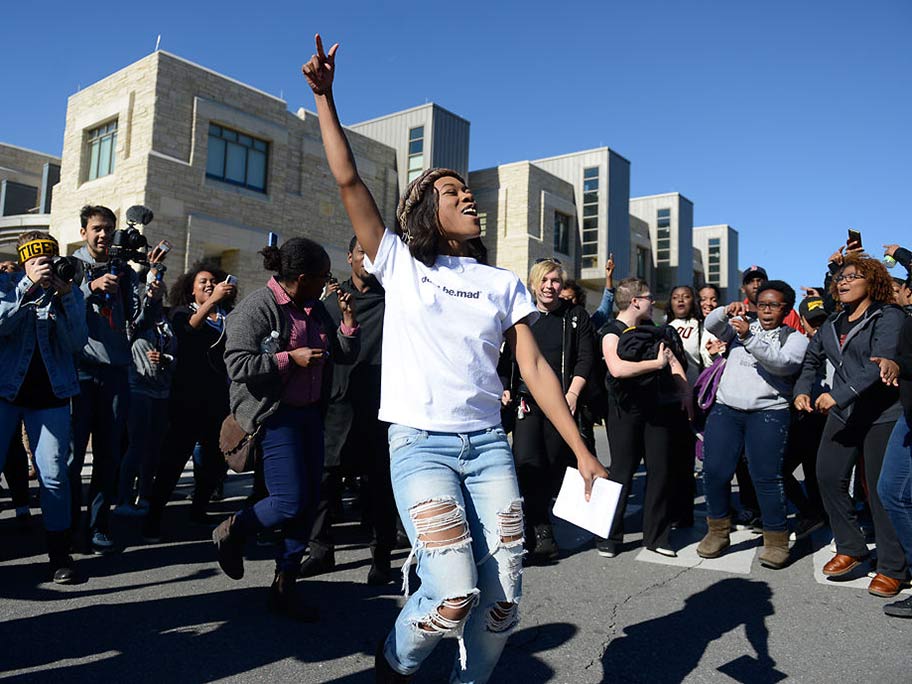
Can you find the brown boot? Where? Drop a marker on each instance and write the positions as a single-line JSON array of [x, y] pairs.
[[716, 539], [775, 552], [284, 599]]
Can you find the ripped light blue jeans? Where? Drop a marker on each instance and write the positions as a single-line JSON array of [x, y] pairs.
[[459, 500]]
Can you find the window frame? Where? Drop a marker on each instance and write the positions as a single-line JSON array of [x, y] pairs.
[[95, 138], [235, 137]]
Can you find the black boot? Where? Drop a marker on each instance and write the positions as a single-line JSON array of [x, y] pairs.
[[379, 573], [321, 559], [545, 546], [229, 546], [62, 567], [284, 599], [383, 672]]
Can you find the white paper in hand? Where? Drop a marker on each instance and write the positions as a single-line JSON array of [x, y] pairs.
[[594, 515]]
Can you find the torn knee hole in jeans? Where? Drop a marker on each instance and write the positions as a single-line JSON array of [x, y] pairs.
[[448, 615], [510, 523], [503, 616], [440, 524]]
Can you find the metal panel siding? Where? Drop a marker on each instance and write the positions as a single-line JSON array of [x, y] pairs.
[[450, 147], [393, 130], [618, 228]]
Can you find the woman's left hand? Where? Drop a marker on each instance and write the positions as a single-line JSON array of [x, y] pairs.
[[824, 403], [590, 468], [571, 398], [889, 371]]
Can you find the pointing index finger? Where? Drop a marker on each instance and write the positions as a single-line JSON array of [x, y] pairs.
[[320, 53]]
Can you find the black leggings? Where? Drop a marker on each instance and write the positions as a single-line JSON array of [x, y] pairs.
[[187, 427], [840, 447]]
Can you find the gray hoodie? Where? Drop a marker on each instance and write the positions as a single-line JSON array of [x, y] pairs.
[[761, 369], [109, 337]]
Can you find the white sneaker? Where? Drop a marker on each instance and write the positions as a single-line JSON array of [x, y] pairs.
[[668, 553]]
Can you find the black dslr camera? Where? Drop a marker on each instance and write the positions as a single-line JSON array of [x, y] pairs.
[[64, 268], [128, 244]]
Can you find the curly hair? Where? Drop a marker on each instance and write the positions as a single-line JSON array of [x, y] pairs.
[[182, 291], [694, 304], [418, 223], [880, 284]]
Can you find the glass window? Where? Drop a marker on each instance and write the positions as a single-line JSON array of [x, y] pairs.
[[641, 262], [590, 210], [415, 152], [561, 233], [664, 213], [102, 150], [237, 158], [483, 224], [590, 184], [715, 242], [591, 172]]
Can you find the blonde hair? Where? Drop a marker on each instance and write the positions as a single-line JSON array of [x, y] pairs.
[[538, 272]]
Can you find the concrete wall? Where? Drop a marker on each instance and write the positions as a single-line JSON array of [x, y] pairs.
[[681, 231]]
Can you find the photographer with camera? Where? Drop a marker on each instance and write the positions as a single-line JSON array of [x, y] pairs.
[[117, 305], [43, 329]]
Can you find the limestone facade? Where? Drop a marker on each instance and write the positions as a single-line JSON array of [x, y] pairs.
[[164, 106]]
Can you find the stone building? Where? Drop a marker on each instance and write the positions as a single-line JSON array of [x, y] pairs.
[[719, 248], [220, 163], [26, 179], [670, 220]]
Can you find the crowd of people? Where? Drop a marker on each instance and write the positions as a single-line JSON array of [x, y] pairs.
[[414, 396]]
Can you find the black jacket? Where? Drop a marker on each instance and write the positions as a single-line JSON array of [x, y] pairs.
[[578, 353], [859, 394]]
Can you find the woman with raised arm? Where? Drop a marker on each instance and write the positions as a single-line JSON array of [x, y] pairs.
[[447, 314]]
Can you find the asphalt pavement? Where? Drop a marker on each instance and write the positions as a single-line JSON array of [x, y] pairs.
[[165, 613]]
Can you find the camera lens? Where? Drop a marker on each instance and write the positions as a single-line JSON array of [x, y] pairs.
[[63, 268]]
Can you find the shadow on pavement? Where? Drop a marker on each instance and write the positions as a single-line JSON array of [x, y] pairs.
[[669, 648]]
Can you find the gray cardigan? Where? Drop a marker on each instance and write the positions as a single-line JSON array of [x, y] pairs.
[[256, 386]]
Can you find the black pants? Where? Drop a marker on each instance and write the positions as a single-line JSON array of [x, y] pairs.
[[682, 485], [189, 425], [366, 451], [805, 432], [541, 456], [635, 437], [840, 447]]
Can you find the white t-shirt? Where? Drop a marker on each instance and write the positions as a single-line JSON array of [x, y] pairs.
[[442, 333], [689, 332]]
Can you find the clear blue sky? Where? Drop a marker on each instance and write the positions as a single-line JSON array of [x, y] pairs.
[[788, 120]]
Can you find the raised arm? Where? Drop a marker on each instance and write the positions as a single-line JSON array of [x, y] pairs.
[[359, 204]]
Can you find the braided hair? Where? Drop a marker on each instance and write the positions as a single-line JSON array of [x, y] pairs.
[[418, 224]]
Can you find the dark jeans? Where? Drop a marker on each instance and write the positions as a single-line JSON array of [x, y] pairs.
[[803, 442], [633, 438], [541, 457], [100, 410], [146, 429], [840, 447], [762, 436], [895, 484], [292, 447], [16, 471], [189, 424]]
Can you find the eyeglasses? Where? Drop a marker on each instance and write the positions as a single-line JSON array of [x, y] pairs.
[[650, 297], [770, 306], [848, 277], [544, 259]]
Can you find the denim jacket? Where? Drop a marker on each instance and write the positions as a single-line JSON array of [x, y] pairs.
[[30, 316]]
